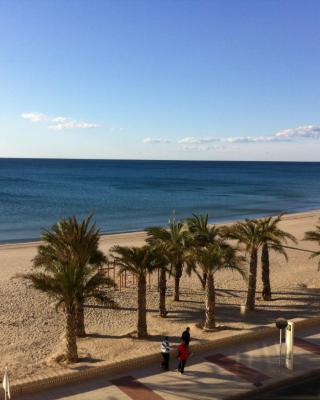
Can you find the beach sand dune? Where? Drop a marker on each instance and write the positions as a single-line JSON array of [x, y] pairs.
[[31, 330]]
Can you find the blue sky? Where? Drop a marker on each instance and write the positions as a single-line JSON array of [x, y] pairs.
[[179, 79]]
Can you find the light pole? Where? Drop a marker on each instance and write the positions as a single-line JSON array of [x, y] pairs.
[[281, 323]]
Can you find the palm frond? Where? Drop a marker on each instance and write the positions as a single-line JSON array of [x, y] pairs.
[[215, 257], [138, 260]]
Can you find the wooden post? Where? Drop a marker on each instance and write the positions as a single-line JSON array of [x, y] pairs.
[[149, 281], [125, 279], [158, 279]]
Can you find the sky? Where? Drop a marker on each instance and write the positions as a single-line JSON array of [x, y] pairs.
[[178, 79]]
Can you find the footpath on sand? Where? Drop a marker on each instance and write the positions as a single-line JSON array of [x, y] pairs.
[[232, 369]]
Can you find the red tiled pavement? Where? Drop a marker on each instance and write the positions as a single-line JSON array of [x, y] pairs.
[[306, 345], [241, 370], [135, 389]]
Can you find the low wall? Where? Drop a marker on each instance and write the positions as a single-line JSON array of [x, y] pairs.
[[60, 378]]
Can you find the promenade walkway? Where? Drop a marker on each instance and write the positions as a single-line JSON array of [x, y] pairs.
[[223, 374]]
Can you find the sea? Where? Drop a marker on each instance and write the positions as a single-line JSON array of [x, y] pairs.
[[130, 195]]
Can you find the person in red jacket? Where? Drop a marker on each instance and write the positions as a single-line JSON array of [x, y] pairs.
[[183, 355]]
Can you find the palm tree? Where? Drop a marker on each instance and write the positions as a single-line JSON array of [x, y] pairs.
[[211, 259], [314, 236], [69, 240], [202, 235], [249, 233], [163, 267], [273, 239], [163, 263], [139, 261], [174, 242], [61, 280]]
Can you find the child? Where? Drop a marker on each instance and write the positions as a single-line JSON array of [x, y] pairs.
[[183, 355], [165, 351]]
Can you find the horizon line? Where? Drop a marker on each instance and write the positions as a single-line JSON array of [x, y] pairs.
[[149, 159]]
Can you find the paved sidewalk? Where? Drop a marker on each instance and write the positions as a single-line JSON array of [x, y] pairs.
[[217, 375]]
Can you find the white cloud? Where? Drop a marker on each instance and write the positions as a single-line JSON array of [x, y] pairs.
[[149, 140], [59, 123], [255, 139], [34, 116], [286, 135], [194, 140], [301, 132], [59, 119], [200, 148], [72, 124], [241, 139]]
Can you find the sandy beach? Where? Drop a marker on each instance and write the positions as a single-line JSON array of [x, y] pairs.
[[31, 329]]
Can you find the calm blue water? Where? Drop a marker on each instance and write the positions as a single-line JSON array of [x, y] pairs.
[[131, 195]]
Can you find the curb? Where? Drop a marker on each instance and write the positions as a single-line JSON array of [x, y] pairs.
[[31, 385]]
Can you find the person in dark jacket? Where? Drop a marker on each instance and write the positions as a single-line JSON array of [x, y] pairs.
[[186, 336], [183, 355], [165, 352]]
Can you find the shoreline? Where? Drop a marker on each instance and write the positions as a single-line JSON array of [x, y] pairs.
[[140, 234]]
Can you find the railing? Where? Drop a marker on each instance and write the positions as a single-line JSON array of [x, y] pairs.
[[126, 279]]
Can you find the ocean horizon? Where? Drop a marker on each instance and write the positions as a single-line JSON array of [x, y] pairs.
[[130, 195]]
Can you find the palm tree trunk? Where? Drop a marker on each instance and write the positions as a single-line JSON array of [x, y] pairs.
[[80, 329], [266, 291], [142, 307], [204, 280], [162, 294], [177, 277], [251, 295], [210, 322], [71, 338]]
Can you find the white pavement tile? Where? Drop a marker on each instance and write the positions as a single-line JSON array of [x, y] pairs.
[[201, 381]]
